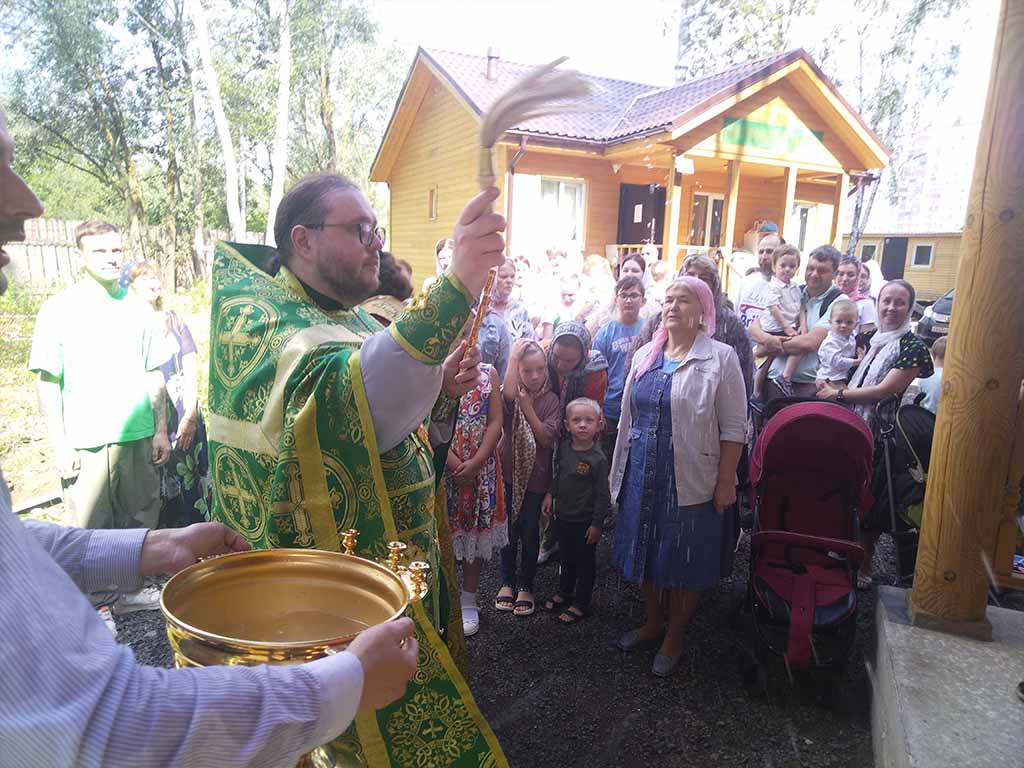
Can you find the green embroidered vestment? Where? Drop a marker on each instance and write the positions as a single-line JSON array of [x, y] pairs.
[[294, 463]]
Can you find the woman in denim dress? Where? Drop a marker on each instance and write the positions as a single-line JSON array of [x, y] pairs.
[[680, 436]]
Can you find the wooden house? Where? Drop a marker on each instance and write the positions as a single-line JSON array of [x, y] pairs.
[[691, 167], [927, 260]]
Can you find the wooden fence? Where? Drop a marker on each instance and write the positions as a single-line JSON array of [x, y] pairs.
[[48, 259]]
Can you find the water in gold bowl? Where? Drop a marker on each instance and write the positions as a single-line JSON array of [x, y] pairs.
[[280, 605]]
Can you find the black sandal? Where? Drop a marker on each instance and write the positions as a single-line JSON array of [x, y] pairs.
[[527, 607], [505, 603], [569, 615], [556, 603]]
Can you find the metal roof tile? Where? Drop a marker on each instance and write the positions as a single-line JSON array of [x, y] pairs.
[[616, 108]]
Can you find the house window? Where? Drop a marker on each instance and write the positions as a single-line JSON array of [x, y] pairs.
[[563, 205], [867, 252], [706, 219], [922, 256], [803, 219], [432, 204]]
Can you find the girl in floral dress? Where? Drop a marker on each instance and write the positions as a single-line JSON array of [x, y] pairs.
[[476, 507]]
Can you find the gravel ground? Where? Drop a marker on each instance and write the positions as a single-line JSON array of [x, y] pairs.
[[564, 696]]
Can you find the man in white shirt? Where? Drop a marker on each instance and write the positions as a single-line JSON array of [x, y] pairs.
[[754, 292], [819, 293]]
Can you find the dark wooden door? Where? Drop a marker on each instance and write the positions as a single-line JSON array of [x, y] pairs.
[[894, 257], [641, 213]]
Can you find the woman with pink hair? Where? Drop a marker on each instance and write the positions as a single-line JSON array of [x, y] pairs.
[[683, 425]]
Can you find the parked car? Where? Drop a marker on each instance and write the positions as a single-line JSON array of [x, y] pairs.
[[935, 321]]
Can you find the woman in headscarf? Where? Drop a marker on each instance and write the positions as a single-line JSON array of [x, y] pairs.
[[515, 314], [575, 370], [895, 357], [848, 281], [184, 485], [680, 437], [728, 326]]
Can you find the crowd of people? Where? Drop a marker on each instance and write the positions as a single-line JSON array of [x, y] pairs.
[[642, 384], [599, 399]]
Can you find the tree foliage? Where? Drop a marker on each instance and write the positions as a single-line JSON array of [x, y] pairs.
[[80, 105], [113, 118], [715, 34], [886, 56]]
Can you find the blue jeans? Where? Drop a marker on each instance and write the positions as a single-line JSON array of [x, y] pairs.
[[526, 529]]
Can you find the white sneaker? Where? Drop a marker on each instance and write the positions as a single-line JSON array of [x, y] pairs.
[[146, 599], [108, 619], [470, 620]]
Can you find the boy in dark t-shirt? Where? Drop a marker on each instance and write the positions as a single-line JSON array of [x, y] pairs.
[[580, 501]]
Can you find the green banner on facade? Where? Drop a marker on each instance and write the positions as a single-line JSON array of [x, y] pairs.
[[780, 139]]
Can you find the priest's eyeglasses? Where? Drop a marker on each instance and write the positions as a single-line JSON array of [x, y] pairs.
[[364, 229]]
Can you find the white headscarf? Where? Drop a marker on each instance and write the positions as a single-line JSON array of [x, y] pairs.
[[884, 351]]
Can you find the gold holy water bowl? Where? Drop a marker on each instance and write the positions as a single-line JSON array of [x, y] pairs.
[[284, 606]]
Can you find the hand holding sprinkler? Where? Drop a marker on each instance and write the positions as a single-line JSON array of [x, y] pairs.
[[544, 91]]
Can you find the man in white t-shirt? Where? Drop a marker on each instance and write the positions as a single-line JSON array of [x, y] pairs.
[[754, 292]]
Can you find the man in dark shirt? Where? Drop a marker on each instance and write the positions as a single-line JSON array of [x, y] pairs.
[[581, 501]]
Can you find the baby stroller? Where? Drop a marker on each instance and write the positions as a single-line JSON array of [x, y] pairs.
[[810, 476]]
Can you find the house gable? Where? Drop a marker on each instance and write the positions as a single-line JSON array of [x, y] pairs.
[[813, 100], [432, 175], [775, 127], [423, 77]]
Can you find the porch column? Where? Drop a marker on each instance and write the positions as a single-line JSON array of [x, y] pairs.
[[839, 209], [978, 412], [785, 225], [673, 199], [732, 196]]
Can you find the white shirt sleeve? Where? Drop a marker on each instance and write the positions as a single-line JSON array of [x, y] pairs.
[[773, 293], [72, 696], [401, 390]]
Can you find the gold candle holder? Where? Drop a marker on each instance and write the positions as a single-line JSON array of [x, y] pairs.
[[349, 539], [396, 551]]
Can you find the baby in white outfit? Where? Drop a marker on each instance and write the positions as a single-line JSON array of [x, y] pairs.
[[838, 352]]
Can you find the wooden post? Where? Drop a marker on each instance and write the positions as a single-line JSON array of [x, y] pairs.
[[731, 199], [673, 196], [977, 415], [785, 225], [510, 180], [838, 209]]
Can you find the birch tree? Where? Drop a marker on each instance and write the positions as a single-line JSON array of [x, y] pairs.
[[279, 154], [213, 92]]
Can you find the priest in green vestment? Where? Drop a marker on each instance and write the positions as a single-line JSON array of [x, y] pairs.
[[319, 423]]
